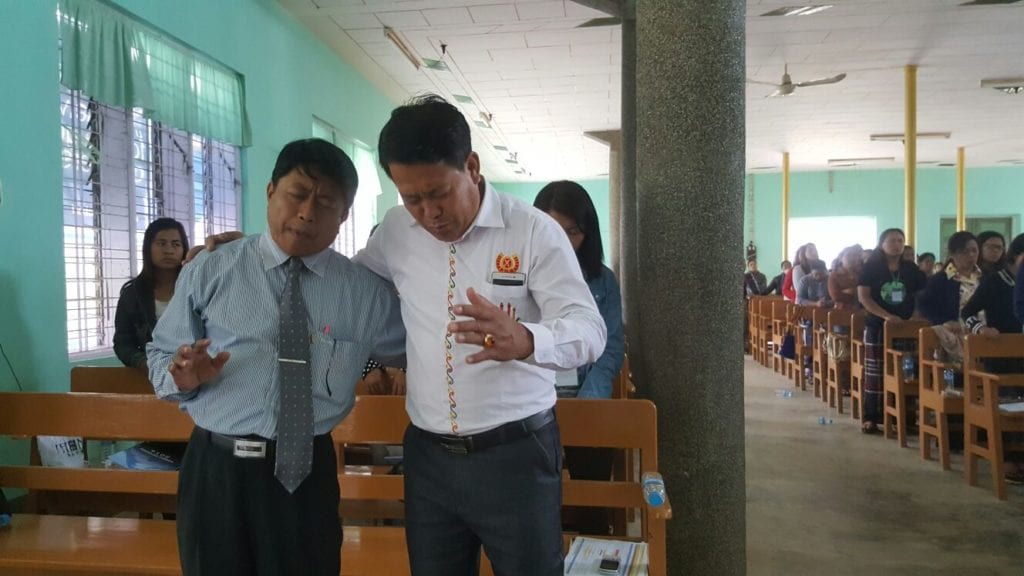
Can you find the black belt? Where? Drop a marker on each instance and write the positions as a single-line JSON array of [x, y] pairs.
[[503, 434], [243, 446]]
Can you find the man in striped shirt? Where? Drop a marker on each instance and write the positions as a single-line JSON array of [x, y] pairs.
[[216, 352]]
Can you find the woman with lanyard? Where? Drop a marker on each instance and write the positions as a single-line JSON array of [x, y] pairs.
[[887, 288]]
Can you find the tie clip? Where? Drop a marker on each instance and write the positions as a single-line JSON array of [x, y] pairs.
[[291, 361]]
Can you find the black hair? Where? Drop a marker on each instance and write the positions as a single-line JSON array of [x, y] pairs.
[[425, 130], [783, 265], [878, 254], [1016, 248], [147, 277], [924, 256], [988, 235], [958, 241], [570, 199], [318, 158], [804, 263]]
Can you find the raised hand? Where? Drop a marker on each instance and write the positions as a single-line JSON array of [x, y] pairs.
[[192, 365], [211, 244], [491, 327]]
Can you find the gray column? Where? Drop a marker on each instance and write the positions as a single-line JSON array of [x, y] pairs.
[[689, 232]]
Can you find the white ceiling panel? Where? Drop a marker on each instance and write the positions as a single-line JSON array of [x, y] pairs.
[[546, 81]]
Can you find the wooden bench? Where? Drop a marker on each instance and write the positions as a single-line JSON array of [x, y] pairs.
[[837, 375], [54, 544], [982, 411], [110, 379], [819, 354], [897, 389], [856, 363], [780, 325], [802, 325], [621, 424], [935, 405], [764, 329]]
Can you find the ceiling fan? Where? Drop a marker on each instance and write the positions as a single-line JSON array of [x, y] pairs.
[[787, 86]]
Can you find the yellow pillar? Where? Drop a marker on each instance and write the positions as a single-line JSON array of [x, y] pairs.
[[785, 205], [910, 143], [961, 202]]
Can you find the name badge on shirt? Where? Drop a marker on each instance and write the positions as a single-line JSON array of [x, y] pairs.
[[894, 292], [508, 278]]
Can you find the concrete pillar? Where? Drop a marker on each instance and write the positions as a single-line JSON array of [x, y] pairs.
[[687, 296]]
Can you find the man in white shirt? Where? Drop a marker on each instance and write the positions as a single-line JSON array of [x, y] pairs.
[[493, 301]]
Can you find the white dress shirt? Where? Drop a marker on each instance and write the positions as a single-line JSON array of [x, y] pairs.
[[446, 395]]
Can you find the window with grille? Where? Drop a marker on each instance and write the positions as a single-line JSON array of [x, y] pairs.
[[120, 172], [362, 217]]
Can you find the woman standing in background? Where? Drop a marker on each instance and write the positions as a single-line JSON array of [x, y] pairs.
[[570, 205], [144, 298]]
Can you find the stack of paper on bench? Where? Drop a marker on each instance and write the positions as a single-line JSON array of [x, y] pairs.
[[585, 556]]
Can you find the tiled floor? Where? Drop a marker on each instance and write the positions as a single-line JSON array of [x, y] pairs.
[[828, 500]]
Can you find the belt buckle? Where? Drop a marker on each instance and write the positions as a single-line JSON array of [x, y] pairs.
[[250, 448], [456, 444]]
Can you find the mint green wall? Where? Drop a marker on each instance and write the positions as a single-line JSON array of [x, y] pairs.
[[598, 190], [877, 193], [290, 77]]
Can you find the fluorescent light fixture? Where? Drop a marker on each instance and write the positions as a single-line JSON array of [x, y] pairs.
[[988, 2], [900, 137], [404, 48], [845, 162], [805, 10], [1008, 85]]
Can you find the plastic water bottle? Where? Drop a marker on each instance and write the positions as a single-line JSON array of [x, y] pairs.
[[106, 449], [909, 368], [824, 420], [950, 378], [784, 393], [654, 488]]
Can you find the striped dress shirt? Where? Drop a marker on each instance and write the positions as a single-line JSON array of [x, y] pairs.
[[232, 296]]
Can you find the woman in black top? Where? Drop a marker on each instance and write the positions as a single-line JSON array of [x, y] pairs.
[[992, 252], [951, 288], [144, 298], [887, 289], [994, 297]]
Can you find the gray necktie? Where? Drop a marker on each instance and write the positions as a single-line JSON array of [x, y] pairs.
[[295, 410]]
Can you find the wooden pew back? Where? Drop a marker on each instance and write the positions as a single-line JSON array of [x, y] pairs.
[[99, 417], [110, 379], [622, 424], [982, 411]]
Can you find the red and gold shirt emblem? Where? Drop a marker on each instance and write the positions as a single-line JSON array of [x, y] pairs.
[[505, 263]]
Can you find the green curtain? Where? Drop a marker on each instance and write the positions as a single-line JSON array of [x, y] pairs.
[[111, 57]]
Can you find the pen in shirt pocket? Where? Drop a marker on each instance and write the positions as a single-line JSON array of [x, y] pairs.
[[326, 334]]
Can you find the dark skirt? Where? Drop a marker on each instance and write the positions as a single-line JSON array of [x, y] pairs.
[[871, 387]]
